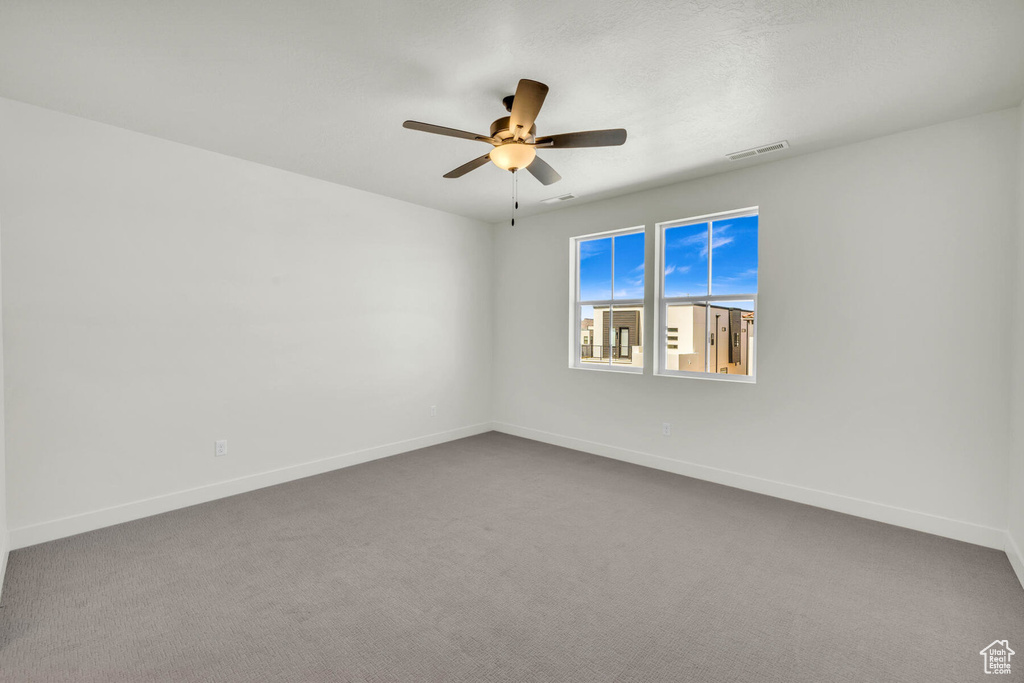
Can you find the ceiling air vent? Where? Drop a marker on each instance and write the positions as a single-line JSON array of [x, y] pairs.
[[556, 200], [758, 151]]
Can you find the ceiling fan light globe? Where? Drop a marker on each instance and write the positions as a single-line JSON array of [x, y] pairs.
[[512, 156]]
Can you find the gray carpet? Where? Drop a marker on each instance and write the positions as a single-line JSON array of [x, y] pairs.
[[495, 558]]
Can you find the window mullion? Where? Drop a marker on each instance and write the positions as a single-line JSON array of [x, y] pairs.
[[611, 306], [719, 298], [710, 247], [661, 334], [579, 333], [707, 338], [579, 310]]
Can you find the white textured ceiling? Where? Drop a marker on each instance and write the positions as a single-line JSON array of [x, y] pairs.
[[322, 88]]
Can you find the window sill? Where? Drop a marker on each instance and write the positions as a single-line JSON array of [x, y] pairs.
[[624, 369], [708, 376]]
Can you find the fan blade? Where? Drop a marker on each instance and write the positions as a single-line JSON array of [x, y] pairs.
[[441, 130], [467, 167], [587, 138], [527, 103], [542, 172]]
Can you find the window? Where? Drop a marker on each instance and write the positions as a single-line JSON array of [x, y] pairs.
[[707, 296], [607, 290]]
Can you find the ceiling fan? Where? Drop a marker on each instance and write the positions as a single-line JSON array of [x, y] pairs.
[[514, 136]]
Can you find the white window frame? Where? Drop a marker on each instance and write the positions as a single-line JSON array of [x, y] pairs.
[[576, 306], [662, 302]]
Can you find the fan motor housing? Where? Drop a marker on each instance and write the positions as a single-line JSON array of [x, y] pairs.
[[500, 131]]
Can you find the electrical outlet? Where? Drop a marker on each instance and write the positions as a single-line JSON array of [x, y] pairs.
[[220, 447], [666, 429], [433, 411]]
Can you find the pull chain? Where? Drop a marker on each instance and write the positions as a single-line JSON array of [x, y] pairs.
[[515, 195]]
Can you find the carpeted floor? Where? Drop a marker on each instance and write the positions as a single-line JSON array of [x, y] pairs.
[[495, 558]]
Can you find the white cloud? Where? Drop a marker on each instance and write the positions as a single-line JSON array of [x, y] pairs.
[[594, 248], [718, 239], [745, 276], [716, 242], [673, 268]]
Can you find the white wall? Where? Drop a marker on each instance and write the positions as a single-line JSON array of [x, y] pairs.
[[875, 393], [157, 297], [4, 537], [1016, 507]]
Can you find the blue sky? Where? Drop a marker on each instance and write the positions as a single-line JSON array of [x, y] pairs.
[[734, 254], [596, 268]]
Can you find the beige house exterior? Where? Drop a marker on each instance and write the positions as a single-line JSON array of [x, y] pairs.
[[731, 339], [623, 342], [587, 331]]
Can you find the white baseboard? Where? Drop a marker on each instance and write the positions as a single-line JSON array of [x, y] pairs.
[[989, 537], [1016, 558], [97, 519], [919, 521], [5, 546]]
